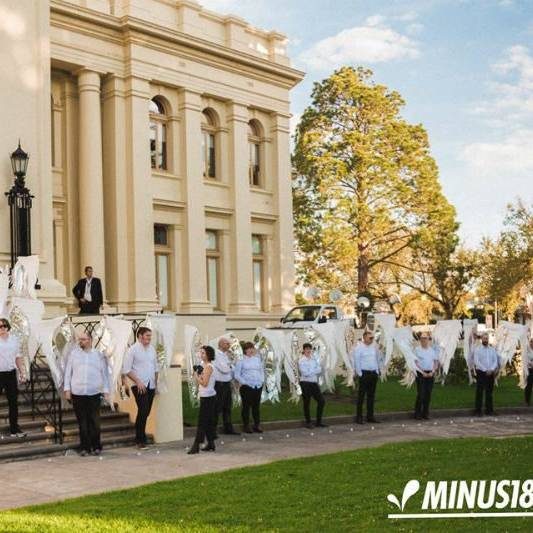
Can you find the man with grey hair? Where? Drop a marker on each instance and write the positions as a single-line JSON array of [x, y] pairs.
[[487, 364], [223, 375]]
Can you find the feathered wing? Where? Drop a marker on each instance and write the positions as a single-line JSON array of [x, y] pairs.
[[271, 347], [4, 290], [330, 357], [114, 345], [446, 335], [164, 327], [508, 336], [385, 325], [404, 344], [524, 357], [469, 342], [45, 332], [192, 346]]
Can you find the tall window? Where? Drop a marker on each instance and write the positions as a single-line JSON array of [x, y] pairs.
[[258, 271], [162, 264], [254, 150], [213, 268], [158, 135], [208, 145]]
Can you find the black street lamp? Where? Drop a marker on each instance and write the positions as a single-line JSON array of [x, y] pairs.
[[20, 201]]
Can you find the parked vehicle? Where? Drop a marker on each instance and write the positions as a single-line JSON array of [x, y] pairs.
[[303, 316]]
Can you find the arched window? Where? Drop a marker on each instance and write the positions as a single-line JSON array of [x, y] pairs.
[[208, 144], [158, 135], [254, 147]]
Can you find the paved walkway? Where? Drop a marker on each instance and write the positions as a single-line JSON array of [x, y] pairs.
[[58, 478]]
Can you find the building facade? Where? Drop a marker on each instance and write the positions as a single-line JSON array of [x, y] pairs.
[[158, 135]]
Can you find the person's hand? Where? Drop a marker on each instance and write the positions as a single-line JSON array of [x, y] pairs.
[[68, 395], [141, 387], [82, 300], [107, 397], [22, 378]]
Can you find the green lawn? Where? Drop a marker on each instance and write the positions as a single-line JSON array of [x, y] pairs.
[[390, 396], [339, 492]]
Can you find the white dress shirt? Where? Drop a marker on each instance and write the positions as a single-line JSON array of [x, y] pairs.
[[309, 369], [485, 358], [249, 371], [209, 390], [87, 294], [426, 357], [365, 357], [9, 351], [222, 367], [143, 362], [86, 373]]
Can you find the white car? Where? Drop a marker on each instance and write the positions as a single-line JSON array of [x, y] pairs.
[[303, 316]]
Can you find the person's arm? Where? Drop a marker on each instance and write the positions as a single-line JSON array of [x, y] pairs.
[[67, 378], [127, 370], [357, 362], [477, 361], [99, 297], [105, 375], [203, 378], [222, 364], [417, 363], [237, 374]]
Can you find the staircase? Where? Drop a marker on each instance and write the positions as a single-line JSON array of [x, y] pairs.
[[36, 419]]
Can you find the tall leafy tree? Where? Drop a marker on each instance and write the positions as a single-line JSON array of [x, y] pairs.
[[366, 189]]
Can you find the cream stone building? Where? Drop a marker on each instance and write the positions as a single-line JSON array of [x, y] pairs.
[[158, 135]]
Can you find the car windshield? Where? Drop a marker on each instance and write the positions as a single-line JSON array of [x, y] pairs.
[[306, 313]]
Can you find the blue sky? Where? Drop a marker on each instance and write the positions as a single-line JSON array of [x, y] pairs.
[[465, 68]]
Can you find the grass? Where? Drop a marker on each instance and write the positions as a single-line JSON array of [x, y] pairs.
[[335, 493], [390, 396]]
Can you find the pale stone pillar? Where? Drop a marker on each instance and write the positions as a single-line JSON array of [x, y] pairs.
[[282, 247], [194, 278], [241, 295], [91, 194], [116, 194], [139, 198]]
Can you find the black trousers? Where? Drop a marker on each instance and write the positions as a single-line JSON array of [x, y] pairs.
[[367, 387], [89, 308], [223, 404], [87, 409], [206, 421], [144, 406], [251, 400], [529, 386], [484, 384], [8, 383], [312, 390], [424, 386]]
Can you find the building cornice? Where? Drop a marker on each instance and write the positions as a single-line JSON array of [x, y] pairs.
[[114, 29]]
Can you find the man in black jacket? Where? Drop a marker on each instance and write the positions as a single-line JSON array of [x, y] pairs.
[[88, 292]]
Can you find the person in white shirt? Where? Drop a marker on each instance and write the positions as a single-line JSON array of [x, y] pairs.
[[223, 375], [310, 370], [427, 363], [10, 361], [250, 374], [86, 379], [140, 365], [486, 363], [365, 358], [529, 361], [206, 390]]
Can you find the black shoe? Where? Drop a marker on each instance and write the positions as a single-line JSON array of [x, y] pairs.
[[231, 432], [321, 425], [373, 420], [358, 420], [246, 429], [194, 449], [491, 413], [83, 453], [309, 425], [97, 452], [209, 447], [425, 417], [418, 417], [257, 429], [478, 413]]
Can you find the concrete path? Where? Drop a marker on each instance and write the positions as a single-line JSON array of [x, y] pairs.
[[58, 478]]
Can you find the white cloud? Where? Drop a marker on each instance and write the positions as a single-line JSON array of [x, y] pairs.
[[512, 155], [374, 42], [414, 28]]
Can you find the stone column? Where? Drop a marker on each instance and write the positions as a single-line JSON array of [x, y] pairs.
[[194, 277], [241, 294], [91, 195], [282, 247], [139, 197]]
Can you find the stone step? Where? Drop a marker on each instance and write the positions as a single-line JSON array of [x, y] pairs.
[[17, 451]]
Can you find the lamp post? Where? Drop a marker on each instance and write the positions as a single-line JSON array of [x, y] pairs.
[[20, 201]]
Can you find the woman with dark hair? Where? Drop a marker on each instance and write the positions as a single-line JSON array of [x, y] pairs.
[[250, 374], [205, 378], [10, 361]]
